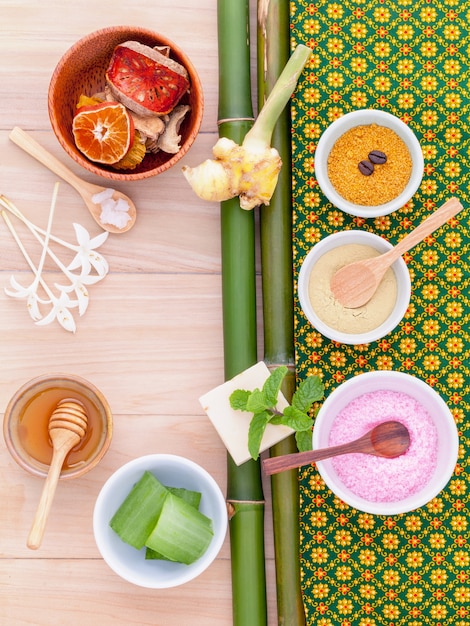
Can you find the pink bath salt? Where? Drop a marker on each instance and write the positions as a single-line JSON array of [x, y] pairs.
[[378, 479]]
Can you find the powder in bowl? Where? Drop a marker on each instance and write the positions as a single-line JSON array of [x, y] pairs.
[[378, 479], [386, 179], [361, 319]]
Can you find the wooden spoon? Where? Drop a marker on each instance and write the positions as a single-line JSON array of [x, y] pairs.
[[354, 284], [389, 439], [67, 427], [85, 189]]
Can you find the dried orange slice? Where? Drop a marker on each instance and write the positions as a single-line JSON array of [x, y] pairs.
[[103, 132]]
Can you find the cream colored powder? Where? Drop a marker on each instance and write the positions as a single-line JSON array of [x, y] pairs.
[[352, 321]]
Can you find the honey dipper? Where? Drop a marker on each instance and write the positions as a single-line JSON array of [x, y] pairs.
[[67, 427]]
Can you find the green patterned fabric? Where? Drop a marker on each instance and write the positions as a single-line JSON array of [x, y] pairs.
[[410, 59]]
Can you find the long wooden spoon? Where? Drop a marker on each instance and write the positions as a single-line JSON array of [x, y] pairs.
[[354, 284], [67, 427], [388, 439], [85, 189]]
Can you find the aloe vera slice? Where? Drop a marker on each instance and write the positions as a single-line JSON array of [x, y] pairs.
[[191, 497], [182, 533], [136, 517], [153, 555]]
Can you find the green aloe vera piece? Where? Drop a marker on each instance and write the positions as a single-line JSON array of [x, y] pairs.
[[153, 555], [182, 533], [191, 497], [136, 517]]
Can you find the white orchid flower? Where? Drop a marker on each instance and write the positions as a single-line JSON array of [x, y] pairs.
[[86, 256], [29, 293], [80, 291], [86, 259], [60, 312]]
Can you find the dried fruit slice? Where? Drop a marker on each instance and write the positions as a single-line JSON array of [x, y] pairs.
[[134, 156], [103, 132], [144, 80]]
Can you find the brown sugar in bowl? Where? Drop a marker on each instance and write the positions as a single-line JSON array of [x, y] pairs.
[[82, 70], [26, 419], [405, 148], [359, 179]]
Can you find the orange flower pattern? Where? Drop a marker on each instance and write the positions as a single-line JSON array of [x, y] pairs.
[[410, 58]]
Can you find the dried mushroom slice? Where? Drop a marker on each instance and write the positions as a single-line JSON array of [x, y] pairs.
[[169, 141]]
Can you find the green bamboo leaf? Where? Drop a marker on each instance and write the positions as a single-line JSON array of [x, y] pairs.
[[309, 391], [303, 439], [239, 399], [298, 420], [256, 432], [272, 385], [257, 402]]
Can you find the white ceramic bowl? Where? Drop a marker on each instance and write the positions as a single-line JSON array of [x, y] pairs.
[[365, 117], [130, 563], [447, 438], [401, 274]]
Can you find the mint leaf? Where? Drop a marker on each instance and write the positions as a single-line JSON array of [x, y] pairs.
[[262, 404], [296, 419], [239, 399], [257, 402], [303, 439], [256, 432], [309, 391], [272, 385]]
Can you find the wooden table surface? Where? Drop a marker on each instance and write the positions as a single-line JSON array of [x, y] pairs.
[[151, 339]]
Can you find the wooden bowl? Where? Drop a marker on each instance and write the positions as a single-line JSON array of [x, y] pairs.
[[82, 71]]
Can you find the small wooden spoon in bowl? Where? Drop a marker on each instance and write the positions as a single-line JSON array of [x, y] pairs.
[[67, 427], [354, 284], [388, 439], [85, 189]]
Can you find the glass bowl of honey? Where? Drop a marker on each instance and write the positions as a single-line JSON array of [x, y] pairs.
[[26, 419]]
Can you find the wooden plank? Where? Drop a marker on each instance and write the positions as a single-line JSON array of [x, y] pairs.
[[151, 339]]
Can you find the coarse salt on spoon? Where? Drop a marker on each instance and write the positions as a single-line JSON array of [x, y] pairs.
[[67, 427], [94, 196], [388, 439], [354, 284]]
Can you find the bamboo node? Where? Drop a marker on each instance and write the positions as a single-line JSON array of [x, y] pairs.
[[290, 366], [235, 119], [232, 505]]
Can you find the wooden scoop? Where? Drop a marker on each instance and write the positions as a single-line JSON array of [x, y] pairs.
[[85, 189], [67, 427], [353, 285], [389, 439]]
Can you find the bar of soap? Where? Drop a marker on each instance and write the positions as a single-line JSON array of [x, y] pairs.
[[233, 425]]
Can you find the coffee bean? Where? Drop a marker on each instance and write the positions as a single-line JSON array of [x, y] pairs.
[[378, 157], [366, 168]]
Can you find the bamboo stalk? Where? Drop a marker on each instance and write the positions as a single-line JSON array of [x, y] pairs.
[[244, 486], [278, 306]]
